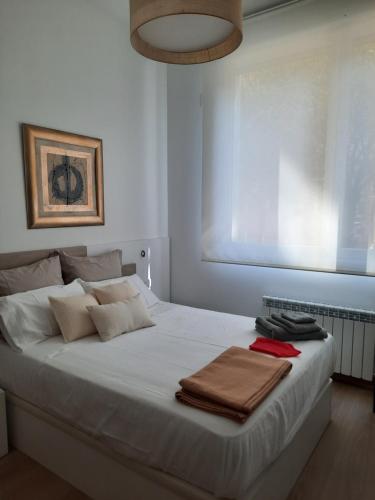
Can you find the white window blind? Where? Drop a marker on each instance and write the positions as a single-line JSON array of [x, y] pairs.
[[289, 151]]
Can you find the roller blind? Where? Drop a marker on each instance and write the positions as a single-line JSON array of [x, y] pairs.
[[289, 151]]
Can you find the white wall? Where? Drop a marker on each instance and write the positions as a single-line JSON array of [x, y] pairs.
[[153, 268], [68, 64], [226, 287]]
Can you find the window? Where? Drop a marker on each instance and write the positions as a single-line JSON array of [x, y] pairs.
[[289, 152]]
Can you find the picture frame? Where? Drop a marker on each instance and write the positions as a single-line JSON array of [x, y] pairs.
[[64, 178]]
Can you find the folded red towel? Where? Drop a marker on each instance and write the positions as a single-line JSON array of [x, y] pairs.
[[274, 347]]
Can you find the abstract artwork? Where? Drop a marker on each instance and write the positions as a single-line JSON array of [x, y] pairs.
[[64, 178]]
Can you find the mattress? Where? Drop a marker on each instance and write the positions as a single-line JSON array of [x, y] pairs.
[[122, 393]]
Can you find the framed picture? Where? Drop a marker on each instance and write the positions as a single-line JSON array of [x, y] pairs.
[[64, 178]]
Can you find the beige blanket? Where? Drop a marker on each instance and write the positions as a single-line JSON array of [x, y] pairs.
[[234, 383]]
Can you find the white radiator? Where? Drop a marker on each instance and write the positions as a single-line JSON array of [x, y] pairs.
[[353, 330]]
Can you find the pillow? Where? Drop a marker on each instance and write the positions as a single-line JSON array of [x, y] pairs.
[[112, 320], [72, 316], [45, 272], [114, 293], [148, 296], [94, 268], [26, 318]]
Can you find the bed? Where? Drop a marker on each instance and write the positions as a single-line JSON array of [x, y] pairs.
[[103, 415]]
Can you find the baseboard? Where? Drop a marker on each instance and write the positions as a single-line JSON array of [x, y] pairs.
[[345, 379]]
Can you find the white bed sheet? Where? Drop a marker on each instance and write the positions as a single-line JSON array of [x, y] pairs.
[[122, 392]]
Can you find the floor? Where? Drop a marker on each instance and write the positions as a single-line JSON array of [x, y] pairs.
[[23, 479], [341, 468], [343, 464]]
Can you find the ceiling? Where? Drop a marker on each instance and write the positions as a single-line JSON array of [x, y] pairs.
[[121, 7], [253, 6]]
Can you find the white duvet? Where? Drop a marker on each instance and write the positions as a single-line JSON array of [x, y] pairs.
[[122, 392]]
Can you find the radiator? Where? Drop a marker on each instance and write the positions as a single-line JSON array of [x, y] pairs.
[[353, 330]]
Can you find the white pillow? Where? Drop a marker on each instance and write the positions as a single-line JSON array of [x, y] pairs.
[[112, 320], [148, 296], [27, 318]]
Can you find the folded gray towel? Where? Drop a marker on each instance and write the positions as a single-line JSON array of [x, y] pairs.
[[268, 328], [292, 337], [274, 331], [296, 317], [270, 333], [294, 327]]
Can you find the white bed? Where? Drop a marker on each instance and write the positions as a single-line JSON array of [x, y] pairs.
[[120, 394]]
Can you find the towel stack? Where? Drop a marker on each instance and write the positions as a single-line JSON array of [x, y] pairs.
[[290, 326]]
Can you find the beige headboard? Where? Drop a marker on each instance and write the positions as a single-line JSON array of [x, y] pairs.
[[129, 269], [17, 259]]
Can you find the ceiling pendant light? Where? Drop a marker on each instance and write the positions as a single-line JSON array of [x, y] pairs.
[[185, 31]]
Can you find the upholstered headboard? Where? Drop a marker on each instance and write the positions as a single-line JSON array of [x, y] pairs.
[[129, 269], [17, 259]]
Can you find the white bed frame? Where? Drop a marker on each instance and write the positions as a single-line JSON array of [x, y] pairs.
[[105, 475], [102, 474]]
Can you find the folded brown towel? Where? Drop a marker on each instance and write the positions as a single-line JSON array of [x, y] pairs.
[[233, 384]]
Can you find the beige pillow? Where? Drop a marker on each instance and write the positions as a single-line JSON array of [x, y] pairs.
[[45, 272], [94, 268], [112, 320], [72, 316], [114, 293]]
